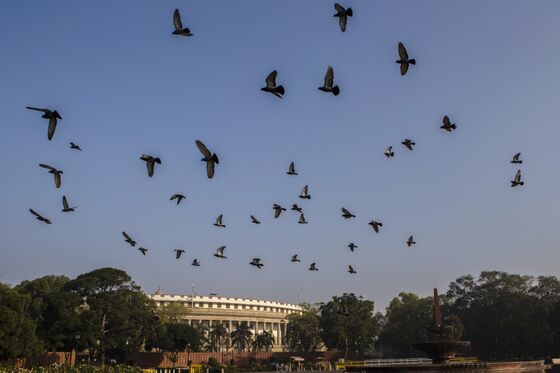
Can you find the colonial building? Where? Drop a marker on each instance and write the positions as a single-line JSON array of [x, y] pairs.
[[259, 315]]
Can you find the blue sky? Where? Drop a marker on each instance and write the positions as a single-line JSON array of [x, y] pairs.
[[125, 86]]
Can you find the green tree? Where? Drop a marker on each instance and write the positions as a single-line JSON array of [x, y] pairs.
[[303, 332], [17, 329], [217, 338], [241, 337], [349, 324], [177, 338], [404, 324], [263, 341], [172, 312]]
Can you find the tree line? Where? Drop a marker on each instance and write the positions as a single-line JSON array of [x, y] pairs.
[[104, 313]]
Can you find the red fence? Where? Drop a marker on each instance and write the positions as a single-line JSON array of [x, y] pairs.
[[45, 360]]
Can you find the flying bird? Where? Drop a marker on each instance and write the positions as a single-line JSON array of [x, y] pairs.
[[346, 214], [218, 222], [292, 169], [389, 153], [517, 179], [408, 143], [210, 158], [295, 259], [313, 267], [375, 225], [256, 262], [305, 193], [179, 30], [351, 270], [142, 250], [516, 159], [75, 147], [56, 173], [410, 241], [277, 210], [178, 197], [352, 246], [128, 239], [220, 252], [295, 207], [271, 87], [178, 253], [150, 163], [447, 125], [302, 219], [328, 84], [52, 116], [39, 217], [254, 220], [342, 15], [403, 60], [195, 263], [65, 207]]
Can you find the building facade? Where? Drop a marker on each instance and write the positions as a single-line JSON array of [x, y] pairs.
[[259, 315]]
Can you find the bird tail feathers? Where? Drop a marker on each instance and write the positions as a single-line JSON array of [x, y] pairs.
[[280, 89], [336, 90], [412, 61]]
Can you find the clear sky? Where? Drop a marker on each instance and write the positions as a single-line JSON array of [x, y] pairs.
[[125, 86]]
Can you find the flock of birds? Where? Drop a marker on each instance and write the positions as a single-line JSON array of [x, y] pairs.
[[211, 159]]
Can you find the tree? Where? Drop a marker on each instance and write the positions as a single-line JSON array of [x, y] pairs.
[[172, 312], [177, 338], [263, 341], [241, 337], [17, 329], [303, 332], [349, 324], [217, 337], [404, 324]]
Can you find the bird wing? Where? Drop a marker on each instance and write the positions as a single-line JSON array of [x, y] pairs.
[[277, 212], [46, 111], [219, 219], [292, 168], [516, 157], [304, 191], [350, 268], [177, 20], [402, 52], [404, 68], [150, 166], [175, 196], [210, 165], [345, 212], [220, 250], [271, 79], [126, 236], [36, 214], [301, 218], [339, 8], [52, 128], [57, 180], [203, 149], [446, 121], [518, 176], [50, 168], [329, 77], [342, 22], [375, 227], [64, 202]]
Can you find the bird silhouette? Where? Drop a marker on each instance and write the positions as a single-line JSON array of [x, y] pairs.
[[56, 173], [408, 143], [178, 197], [256, 262], [328, 83], [403, 60], [375, 225], [65, 207], [220, 252], [52, 116], [178, 253], [271, 87], [150, 163], [447, 125], [39, 217], [313, 267], [342, 15], [351, 270], [295, 207], [179, 30], [292, 169], [210, 158], [305, 193], [254, 220], [75, 146], [128, 239], [346, 214], [352, 246], [517, 179], [410, 241], [277, 210], [389, 153], [516, 159], [302, 219], [195, 263], [218, 222], [143, 250], [295, 259]]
